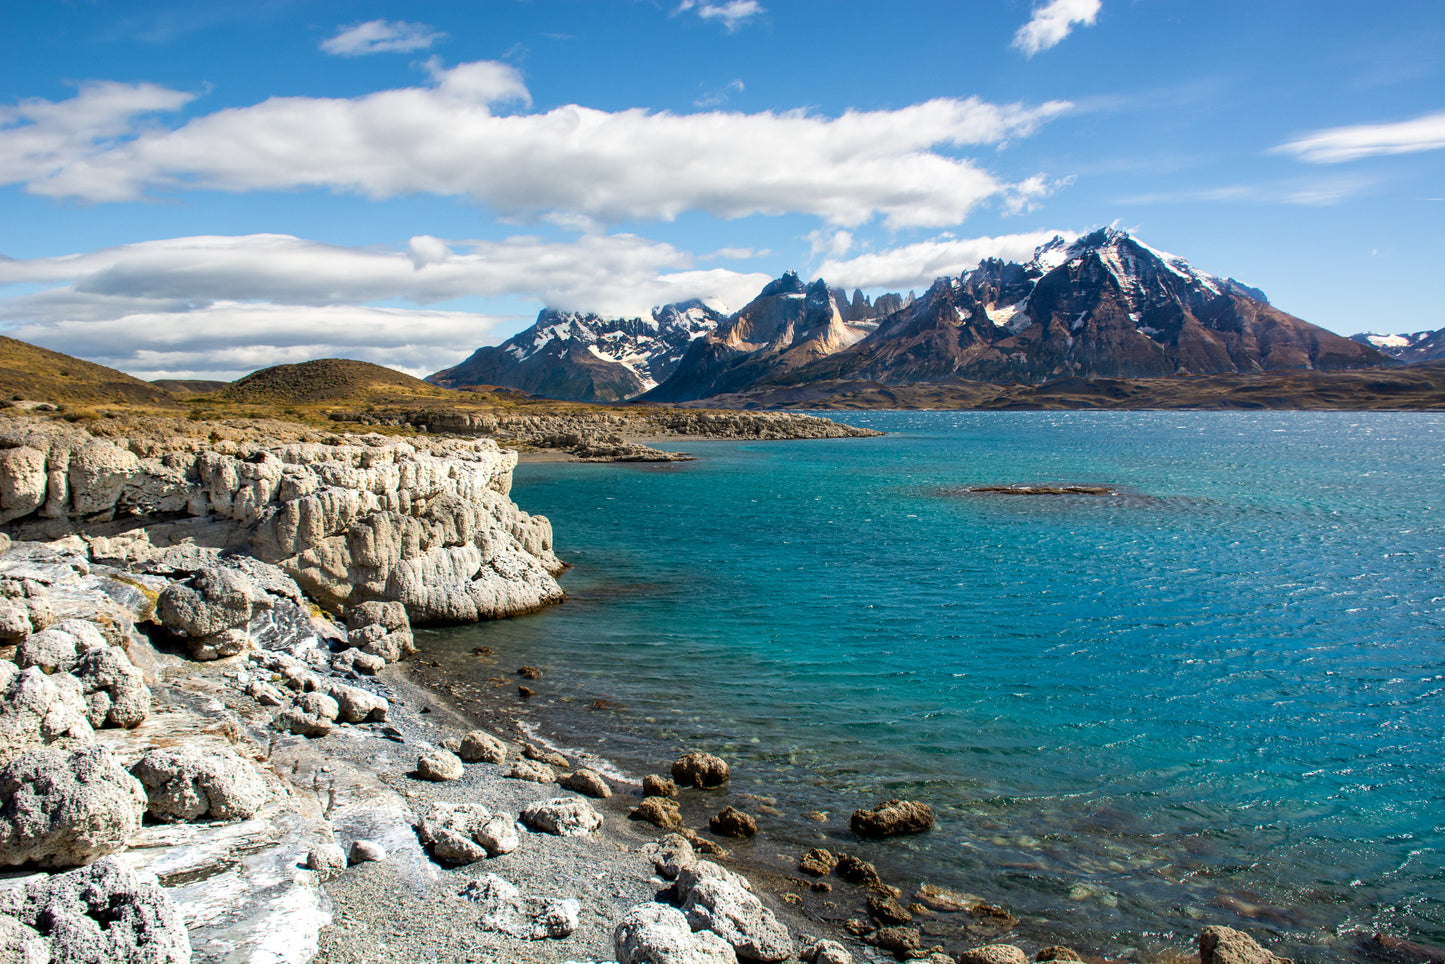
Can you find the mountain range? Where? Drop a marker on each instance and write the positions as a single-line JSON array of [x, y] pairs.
[[1411, 348], [1105, 305]]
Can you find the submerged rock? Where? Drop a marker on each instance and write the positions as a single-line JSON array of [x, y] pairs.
[[732, 822]]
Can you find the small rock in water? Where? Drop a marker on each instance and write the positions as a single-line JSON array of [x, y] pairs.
[[887, 910], [732, 822], [658, 811], [817, 862], [856, 870], [529, 672], [526, 692], [702, 770], [542, 755], [366, 851], [1058, 952], [1225, 945], [656, 786], [900, 941], [893, 817]]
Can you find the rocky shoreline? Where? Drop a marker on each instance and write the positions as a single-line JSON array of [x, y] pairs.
[[200, 759]]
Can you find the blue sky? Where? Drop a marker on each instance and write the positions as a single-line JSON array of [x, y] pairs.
[[203, 189]]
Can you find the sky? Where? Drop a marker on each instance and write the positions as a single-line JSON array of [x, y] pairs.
[[203, 189]]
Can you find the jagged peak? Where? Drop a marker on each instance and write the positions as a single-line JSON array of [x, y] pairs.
[[788, 284]]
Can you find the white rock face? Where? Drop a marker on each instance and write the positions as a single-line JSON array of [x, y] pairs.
[[376, 520]]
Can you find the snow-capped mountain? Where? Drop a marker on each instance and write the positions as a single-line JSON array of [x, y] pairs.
[[1418, 346], [1104, 305], [584, 357]]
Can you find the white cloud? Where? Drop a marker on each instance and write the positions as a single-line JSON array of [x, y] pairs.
[[1309, 192], [1052, 22], [380, 36], [445, 139], [222, 306], [732, 14], [1337, 144], [917, 265], [1025, 196]]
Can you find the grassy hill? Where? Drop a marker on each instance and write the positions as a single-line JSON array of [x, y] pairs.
[[332, 380], [40, 375]]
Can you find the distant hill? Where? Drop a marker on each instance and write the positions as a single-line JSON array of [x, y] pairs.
[[330, 380], [181, 387], [41, 375], [1411, 348]]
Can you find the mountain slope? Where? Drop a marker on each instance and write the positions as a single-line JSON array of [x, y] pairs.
[[41, 375], [584, 357], [787, 326]]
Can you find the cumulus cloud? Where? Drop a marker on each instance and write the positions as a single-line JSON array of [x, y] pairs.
[[1052, 22], [212, 306], [732, 14], [1336, 144], [917, 265], [380, 36], [611, 166]]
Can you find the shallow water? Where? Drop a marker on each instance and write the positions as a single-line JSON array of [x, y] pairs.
[[1216, 696]]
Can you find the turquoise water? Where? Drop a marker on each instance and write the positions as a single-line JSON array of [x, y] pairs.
[[1216, 697]]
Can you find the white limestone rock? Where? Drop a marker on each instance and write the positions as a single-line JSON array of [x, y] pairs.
[[506, 911], [101, 914], [465, 833], [564, 816], [37, 710], [479, 746], [215, 784], [60, 809], [439, 766], [654, 933], [115, 691], [738, 917]]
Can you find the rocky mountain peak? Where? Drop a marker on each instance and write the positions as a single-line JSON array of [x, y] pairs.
[[788, 284]]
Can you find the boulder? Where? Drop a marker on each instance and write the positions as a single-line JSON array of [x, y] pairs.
[[217, 599], [543, 755], [506, 911], [1058, 952], [98, 473], [827, 952], [22, 481], [893, 817], [190, 784], [356, 705], [228, 642], [587, 782], [886, 909], [365, 852], [439, 766], [101, 914], [674, 855], [465, 833], [738, 917], [115, 691], [380, 629], [314, 714], [993, 954], [856, 870], [732, 822], [479, 746], [699, 870], [658, 811], [564, 816], [901, 942], [14, 620], [61, 809], [37, 710], [1225, 945], [50, 650], [701, 770], [656, 934], [357, 661], [532, 772], [656, 786], [328, 860]]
